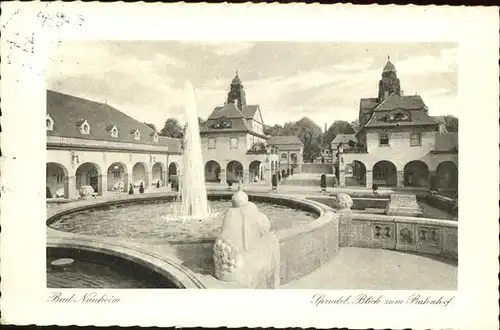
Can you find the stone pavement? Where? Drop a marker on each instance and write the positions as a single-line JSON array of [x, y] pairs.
[[378, 269]]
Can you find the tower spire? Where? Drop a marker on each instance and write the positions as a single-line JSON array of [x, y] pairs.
[[388, 57]]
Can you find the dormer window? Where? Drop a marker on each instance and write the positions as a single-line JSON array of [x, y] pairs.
[[84, 127], [113, 131], [398, 115], [49, 123], [137, 134], [155, 137]]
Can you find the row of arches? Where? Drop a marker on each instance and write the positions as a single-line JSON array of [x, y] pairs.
[[235, 171], [415, 174], [117, 177]]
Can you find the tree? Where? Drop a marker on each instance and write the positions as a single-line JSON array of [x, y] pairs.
[[355, 125], [275, 130], [201, 122], [152, 126], [309, 133], [172, 129], [338, 127], [451, 123]]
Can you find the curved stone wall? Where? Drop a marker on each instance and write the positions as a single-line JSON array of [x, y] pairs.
[[174, 273]]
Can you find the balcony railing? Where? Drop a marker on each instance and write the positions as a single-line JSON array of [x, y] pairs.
[[356, 150]]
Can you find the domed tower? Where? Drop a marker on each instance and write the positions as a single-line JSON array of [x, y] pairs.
[[236, 93], [389, 83]]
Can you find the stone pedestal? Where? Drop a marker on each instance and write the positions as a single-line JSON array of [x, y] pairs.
[[247, 252], [369, 179], [343, 204], [246, 176], [341, 177], [403, 205]]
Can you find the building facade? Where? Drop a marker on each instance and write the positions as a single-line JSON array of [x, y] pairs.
[[93, 144], [399, 143], [234, 145], [290, 152]]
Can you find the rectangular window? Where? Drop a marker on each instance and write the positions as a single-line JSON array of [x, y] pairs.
[[381, 173], [383, 139], [117, 174], [234, 143], [211, 143], [415, 139], [59, 177]]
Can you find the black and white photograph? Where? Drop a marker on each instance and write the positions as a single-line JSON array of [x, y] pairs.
[[250, 165], [199, 165]]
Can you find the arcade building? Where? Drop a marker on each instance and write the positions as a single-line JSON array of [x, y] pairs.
[[235, 147], [94, 144], [399, 144]]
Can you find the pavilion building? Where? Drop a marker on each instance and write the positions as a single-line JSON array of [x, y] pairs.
[[93, 144], [235, 147], [399, 144]]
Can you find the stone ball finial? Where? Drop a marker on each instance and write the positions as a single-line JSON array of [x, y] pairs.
[[240, 198], [343, 201]]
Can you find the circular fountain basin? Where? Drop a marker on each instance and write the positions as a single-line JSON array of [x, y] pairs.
[[155, 220]]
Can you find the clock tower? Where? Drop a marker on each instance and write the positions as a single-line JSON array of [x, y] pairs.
[[236, 93], [389, 83]]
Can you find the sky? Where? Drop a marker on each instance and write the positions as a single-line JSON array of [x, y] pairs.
[[288, 80]]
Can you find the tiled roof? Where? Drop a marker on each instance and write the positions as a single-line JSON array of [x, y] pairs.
[[237, 117], [446, 142], [344, 138], [389, 67], [407, 102], [69, 111], [368, 104], [277, 140], [418, 118]]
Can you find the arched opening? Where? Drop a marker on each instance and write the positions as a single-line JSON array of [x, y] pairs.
[[212, 171], [384, 174], [355, 174], [158, 175], [447, 176], [56, 181], [234, 171], [255, 171], [416, 174], [172, 172], [140, 175], [283, 157], [117, 177], [89, 174]]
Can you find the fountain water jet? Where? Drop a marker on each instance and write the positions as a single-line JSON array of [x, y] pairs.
[[194, 201]]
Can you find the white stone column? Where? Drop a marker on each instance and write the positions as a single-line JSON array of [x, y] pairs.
[[222, 175], [71, 187], [150, 178], [246, 176], [103, 187], [400, 178], [369, 179]]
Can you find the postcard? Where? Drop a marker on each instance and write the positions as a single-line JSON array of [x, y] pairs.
[[249, 165]]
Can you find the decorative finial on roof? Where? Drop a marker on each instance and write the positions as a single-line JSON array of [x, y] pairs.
[[388, 57], [237, 70]]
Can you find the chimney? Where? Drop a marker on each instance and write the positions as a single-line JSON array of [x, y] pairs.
[[325, 128], [236, 103]]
